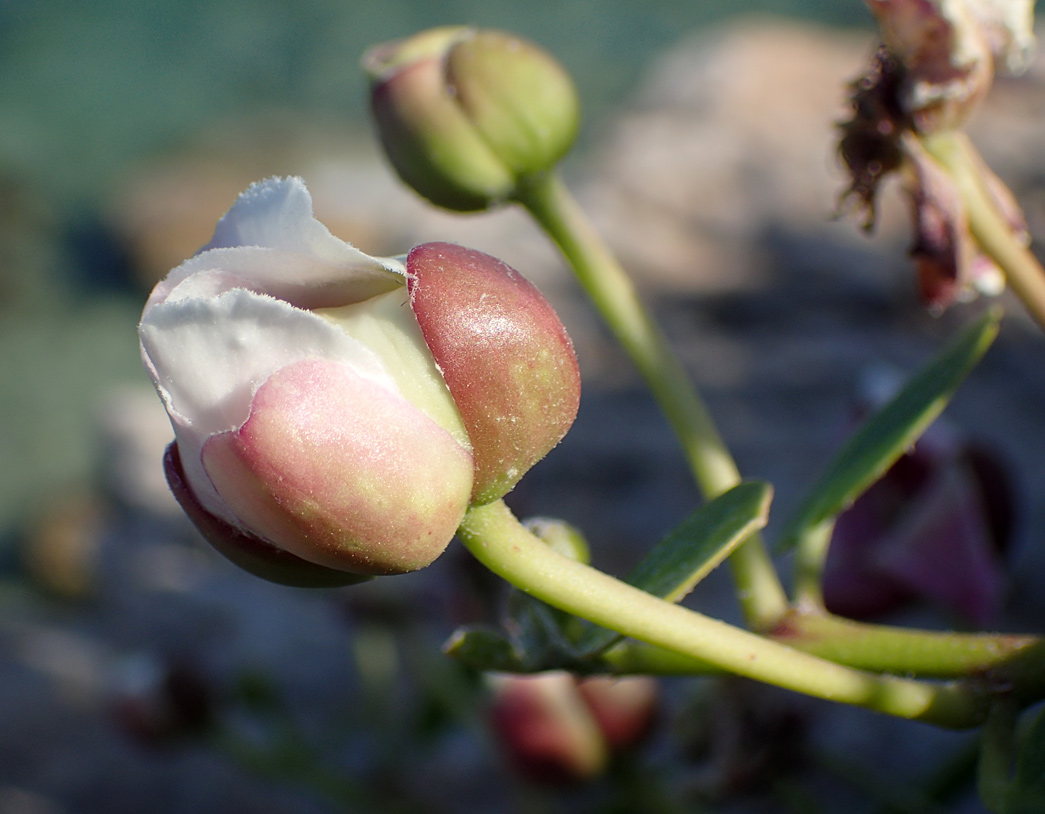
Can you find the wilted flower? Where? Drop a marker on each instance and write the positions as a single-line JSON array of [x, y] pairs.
[[935, 65], [932, 530], [335, 413], [949, 49], [466, 116]]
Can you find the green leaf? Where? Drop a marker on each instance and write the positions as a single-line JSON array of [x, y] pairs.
[[692, 550], [1026, 795], [485, 648], [892, 430]]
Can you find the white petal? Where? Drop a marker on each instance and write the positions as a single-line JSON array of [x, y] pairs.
[[208, 355], [277, 214], [271, 239]]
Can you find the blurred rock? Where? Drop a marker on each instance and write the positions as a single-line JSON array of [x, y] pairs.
[[166, 210], [733, 137], [134, 432], [732, 133]]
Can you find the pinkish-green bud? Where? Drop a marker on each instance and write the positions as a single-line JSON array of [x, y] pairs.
[[503, 353], [249, 552], [556, 728], [467, 116], [308, 413], [624, 707], [328, 407], [545, 729]]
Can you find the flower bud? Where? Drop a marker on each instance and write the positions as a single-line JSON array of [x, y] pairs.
[[556, 728], [545, 729], [466, 115], [323, 432], [560, 536], [623, 707]]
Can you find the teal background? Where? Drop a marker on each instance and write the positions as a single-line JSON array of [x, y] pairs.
[[86, 86]]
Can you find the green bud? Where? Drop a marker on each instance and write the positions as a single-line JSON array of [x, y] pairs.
[[467, 116], [561, 537]]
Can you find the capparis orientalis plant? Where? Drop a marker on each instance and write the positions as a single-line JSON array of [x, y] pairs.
[[340, 417]]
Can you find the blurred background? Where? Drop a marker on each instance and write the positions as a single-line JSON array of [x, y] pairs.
[[139, 671]]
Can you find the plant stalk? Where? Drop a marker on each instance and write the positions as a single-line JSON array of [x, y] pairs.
[[992, 232], [503, 545], [547, 199]]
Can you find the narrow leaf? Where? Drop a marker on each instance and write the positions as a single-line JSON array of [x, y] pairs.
[[692, 550], [1026, 795], [892, 430]]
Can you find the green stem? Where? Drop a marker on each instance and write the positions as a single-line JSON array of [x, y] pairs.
[[503, 545], [990, 229], [925, 653], [607, 284], [810, 556], [1014, 661], [994, 773]]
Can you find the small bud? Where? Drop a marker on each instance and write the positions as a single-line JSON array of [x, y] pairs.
[[561, 537], [466, 116], [624, 708], [556, 728], [548, 733]]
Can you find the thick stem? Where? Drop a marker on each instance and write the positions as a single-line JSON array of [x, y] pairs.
[[1013, 661], [990, 229], [926, 653], [611, 290], [503, 545]]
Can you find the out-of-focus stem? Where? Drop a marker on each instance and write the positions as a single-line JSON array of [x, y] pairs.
[[613, 294], [810, 556], [992, 232], [503, 545], [996, 752]]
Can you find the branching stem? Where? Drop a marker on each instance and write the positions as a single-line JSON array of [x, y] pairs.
[[503, 545]]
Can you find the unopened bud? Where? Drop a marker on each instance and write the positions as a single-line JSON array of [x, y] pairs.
[[467, 116]]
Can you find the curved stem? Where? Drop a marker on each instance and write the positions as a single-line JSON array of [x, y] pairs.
[[607, 284], [1013, 661], [503, 545], [992, 232]]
